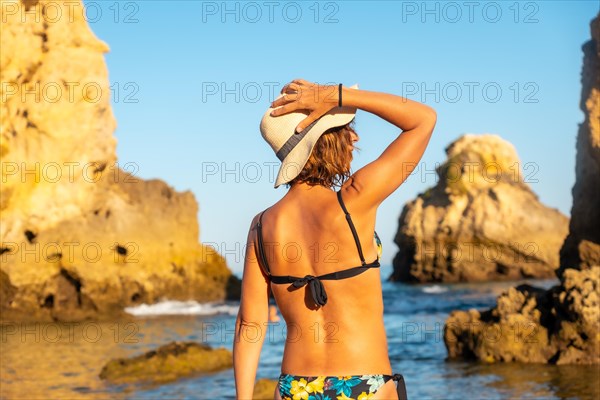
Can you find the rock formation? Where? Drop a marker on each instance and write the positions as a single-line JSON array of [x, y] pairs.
[[480, 222], [560, 325], [582, 246], [264, 389], [80, 237], [168, 363]]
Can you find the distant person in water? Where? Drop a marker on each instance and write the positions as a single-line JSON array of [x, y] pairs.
[[273, 316], [316, 250]]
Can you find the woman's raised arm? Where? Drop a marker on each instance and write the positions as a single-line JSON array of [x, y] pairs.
[[380, 178]]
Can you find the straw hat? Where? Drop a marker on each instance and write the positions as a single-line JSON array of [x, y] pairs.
[[294, 149]]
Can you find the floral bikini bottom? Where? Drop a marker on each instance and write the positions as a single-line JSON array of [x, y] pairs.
[[353, 387]]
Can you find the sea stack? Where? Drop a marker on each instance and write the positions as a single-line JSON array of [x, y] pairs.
[[481, 222]]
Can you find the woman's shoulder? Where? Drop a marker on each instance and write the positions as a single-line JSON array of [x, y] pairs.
[[355, 199]]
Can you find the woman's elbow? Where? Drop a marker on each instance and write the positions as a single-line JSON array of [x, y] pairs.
[[430, 119], [257, 323], [431, 114]]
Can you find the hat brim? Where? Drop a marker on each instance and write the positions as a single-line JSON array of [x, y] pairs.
[[297, 158]]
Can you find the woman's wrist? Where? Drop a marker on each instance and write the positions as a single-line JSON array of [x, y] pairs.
[[330, 96], [348, 97]]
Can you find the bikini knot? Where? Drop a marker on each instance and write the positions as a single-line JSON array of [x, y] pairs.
[[317, 289], [303, 281], [397, 377]]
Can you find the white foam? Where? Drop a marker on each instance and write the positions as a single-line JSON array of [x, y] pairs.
[[174, 307], [435, 289]]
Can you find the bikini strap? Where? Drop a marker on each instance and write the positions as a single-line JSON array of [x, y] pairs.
[[349, 219], [400, 386], [261, 250]]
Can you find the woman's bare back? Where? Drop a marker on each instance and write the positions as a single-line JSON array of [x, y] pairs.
[[306, 233]]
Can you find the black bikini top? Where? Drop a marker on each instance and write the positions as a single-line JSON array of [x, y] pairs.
[[316, 286]]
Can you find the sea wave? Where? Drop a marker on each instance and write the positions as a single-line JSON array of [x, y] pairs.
[[435, 289], [190, 307]]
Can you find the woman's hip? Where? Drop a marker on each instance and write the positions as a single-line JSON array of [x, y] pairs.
[[370, 386]]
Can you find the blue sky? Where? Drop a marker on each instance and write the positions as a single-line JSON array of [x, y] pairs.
[[190, 81]]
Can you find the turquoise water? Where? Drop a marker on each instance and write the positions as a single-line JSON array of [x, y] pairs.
[[414, 319]]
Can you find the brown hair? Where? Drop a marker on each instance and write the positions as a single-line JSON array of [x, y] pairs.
[[329, 162]]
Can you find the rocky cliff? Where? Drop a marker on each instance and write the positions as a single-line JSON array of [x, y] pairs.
[[581, 249], [560, 325], [480, 222], [81, 237]]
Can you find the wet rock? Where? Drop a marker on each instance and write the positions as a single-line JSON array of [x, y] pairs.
[[264, 389], [168, 363], [559, 326]]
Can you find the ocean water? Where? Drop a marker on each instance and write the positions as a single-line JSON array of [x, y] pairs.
[[62, 361]]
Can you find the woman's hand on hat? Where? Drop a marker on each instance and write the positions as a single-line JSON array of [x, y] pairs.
[[303, 95]]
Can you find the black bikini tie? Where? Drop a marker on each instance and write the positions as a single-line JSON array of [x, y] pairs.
[[401, 386], [316, 288]]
